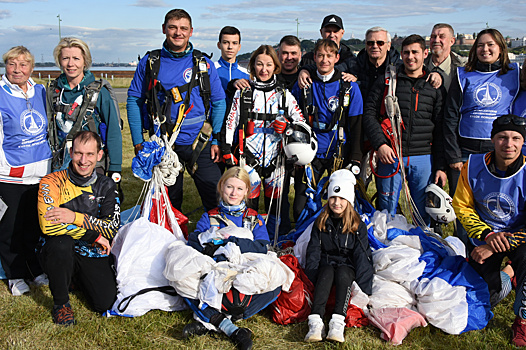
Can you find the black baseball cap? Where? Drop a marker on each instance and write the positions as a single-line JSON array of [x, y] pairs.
[[332, 19]]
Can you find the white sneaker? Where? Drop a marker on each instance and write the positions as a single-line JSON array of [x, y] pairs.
[[337, 328], [41, 280], [18, 287], [316, 329]]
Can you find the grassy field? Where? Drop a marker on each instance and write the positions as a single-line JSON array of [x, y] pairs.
[[25, 322]]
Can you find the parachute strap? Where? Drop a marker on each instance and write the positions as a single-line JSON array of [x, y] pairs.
[[162, 113], [84, 117], [340, 118], [249, 215], [309, 109]]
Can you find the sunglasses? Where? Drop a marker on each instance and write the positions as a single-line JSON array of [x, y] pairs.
[[505, 120], [379, 43]]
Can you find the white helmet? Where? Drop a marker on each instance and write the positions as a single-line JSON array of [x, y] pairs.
[[300, 143], [439, 204]]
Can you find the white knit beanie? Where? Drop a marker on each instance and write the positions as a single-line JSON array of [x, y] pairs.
[[341, 184]]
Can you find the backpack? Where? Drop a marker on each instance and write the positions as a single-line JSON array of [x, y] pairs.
[[84, 115]]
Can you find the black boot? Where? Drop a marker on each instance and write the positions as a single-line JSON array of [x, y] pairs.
[[242, 337], [194, 328]]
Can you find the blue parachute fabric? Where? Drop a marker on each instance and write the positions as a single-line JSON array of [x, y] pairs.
[[456, 271], [2, 273], [311, 211], [373, 241], [146, 159], [362, 205], [130, 215]]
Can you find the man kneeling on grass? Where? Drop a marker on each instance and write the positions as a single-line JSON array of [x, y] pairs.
[[490, 203], [79, 214]]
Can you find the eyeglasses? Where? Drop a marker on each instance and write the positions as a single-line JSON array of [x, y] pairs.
[[380, 43], [505, 120]]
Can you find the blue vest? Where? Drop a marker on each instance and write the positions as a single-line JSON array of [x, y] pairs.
[[485, 97], [519, 106], [24, 125], [500, 202]]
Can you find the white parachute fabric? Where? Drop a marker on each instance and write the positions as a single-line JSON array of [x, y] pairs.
[[139, 249], [249, 273], [300, 248], [420, 272], [445, 306], [390, 294], [184, 268]]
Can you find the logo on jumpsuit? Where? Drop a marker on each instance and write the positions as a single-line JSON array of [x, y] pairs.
[[333, 103], [32, 122], [187, 75], [499, 206], [487, 95]]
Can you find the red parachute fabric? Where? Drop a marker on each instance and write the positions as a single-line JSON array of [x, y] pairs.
[[295, 306], [159, 214]]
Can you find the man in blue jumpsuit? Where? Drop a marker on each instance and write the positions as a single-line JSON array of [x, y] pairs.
[[176, 72]]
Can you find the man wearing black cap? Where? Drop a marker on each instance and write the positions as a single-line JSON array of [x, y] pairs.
[[491, 205], [332, 28]]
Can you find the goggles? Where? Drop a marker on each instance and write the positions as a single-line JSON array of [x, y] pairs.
[[505, 120]]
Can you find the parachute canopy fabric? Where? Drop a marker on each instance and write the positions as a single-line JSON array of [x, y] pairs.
[[421, 272], [139, 249], [146, 159]]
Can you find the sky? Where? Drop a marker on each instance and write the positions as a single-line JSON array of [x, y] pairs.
[[119, 31]]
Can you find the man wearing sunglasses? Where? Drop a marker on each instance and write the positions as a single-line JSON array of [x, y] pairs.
[[491, 205], [372, 60]]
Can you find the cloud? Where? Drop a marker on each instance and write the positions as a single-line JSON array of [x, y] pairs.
[[150, 3], [5, 14], [106, 45]]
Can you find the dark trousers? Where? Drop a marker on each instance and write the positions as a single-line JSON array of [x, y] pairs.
[[319, 166], [205, 178], [19, 231], [342, 277], [95, 276], [490, 272]]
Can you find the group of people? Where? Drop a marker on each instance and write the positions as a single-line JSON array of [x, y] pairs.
[[61, 211], [421, 116]]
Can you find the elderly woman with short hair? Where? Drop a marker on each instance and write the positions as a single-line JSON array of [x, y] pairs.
[[24, 160]]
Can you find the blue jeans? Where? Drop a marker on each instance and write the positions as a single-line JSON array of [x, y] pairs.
[[418, 175]]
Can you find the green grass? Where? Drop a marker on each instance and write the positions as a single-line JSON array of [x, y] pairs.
[[25, 322]]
